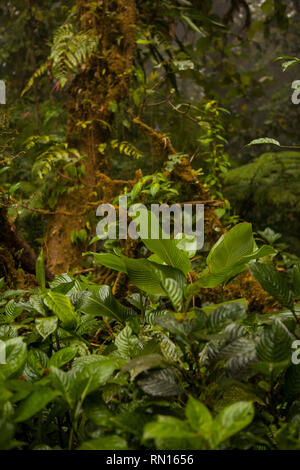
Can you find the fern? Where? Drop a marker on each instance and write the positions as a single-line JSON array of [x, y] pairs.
[[126, 148], [68, 52], [37, 74], [56, 153]]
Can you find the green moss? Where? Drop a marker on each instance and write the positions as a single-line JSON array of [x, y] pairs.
[[267, 192]]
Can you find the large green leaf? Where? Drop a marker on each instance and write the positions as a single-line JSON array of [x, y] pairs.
[[61, 305], [12, 310], [199, 417], [168, 427], [6, 435], [34, 403], [226, 313], [143, 363], [126, 342], [296, 280], [103, 303], [148, 276], [273, 282], [109, 260], [96, 411], [132, 422], [105, 443], [36, 301], [242, 354], [37, 362], [40, 270], [208, 309], [88, 373], [231, 247], [231, 345], [91, 372], [163, 247], [230, 255], [274, 345], [79, 299], [169, 253], [63, 356], [173, 290], [63, 381], [169, 323], [16, 355], [46, 326], [292, 381], [62, 283], [161, 383], [230, 421]]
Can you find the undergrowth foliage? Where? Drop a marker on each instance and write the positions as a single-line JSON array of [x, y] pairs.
[[83, 370], [266, 191], [171, 88]]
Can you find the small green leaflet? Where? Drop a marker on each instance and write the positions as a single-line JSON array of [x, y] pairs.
[[264, 140]]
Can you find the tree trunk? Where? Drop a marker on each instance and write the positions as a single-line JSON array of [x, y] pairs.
[[15, 252], [103, 79]]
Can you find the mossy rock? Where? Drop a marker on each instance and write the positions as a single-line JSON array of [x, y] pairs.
[[267, 193]]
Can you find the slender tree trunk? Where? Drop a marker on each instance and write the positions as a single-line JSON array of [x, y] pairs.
[[103, 79], [15, 252]]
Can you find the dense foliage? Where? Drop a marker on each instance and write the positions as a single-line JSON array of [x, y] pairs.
[[266, 191], [149, 343], [86, 371]]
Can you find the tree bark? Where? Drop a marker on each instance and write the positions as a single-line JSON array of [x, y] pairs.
[[15, 252], [103, 79]]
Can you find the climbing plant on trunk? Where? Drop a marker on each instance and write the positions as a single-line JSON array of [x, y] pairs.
[[103, 77]]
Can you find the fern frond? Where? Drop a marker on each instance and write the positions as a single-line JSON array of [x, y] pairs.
[[57, 153], [39, 72], [68, 52], [126, 148]]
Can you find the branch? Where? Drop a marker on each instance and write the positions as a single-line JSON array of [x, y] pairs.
[[162, 139]]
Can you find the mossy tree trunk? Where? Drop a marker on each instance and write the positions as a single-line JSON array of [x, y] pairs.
[[104, 78], [15, 253]]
